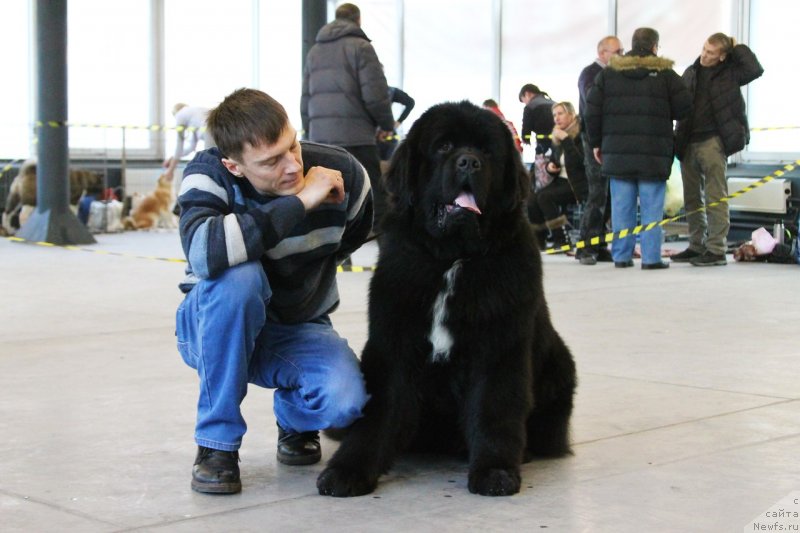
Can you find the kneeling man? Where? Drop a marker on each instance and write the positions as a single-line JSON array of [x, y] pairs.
[[265, 221]]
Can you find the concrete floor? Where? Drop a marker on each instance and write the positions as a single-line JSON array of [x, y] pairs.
[[687, 414]]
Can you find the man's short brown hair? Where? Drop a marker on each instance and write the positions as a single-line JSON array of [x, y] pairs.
[[348, 12], [246, 116]]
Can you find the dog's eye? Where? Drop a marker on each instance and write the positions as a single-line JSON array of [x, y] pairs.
[[445, 147]]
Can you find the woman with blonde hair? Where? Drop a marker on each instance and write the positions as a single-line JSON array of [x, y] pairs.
[[569, 186]]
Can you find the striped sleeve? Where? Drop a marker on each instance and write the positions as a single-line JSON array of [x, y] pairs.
[[215, 236], [359, 210]]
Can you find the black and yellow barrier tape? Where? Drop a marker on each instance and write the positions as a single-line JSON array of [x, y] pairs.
[[151, 127], [609, 237], [72, 248], [770, 128]]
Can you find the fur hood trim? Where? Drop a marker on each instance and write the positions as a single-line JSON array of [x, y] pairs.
[[633, 62]]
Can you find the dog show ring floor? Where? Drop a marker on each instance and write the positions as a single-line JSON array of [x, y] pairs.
[[687, 412]]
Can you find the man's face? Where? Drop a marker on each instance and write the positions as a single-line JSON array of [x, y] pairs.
[[610, 48], [272, 169], [712, 55]]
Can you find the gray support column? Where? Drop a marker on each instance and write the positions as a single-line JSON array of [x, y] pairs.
[[613, 21], [52, 221], [315, 16], [497, 38]]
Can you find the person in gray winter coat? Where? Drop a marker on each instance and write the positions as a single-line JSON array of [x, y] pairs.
[[345, 94]]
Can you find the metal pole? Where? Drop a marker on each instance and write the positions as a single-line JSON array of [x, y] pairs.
[[315, 16], [497, 64], [52, 221], [612, 17]]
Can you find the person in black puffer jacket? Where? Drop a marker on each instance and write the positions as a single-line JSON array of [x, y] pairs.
[[716, 129], [345, 96], [629, 117]]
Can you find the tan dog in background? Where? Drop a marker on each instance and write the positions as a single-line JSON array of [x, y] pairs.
[[155, 209]]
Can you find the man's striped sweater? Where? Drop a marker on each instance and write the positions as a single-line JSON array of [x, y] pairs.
[[225, 221]]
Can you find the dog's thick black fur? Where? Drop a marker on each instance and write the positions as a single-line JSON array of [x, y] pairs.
[[461, 356]]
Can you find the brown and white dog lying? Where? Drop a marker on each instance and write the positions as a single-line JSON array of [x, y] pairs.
[[155, 209]]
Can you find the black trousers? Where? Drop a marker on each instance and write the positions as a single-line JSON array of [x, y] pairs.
[[593, 221], [367, 155], [548, 203]]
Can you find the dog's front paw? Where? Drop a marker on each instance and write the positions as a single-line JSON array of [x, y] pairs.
[[494, 481], [342, 483]]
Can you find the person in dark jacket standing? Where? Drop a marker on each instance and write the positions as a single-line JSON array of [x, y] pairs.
[[716, 129], [629, 117], [388, 140], [537, 117], [345, 95], [594, 217]]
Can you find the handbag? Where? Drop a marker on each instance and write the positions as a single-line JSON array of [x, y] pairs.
[[541, 177]]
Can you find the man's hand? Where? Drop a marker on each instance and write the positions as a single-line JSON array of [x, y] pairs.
[[598, 155], [322, 186]]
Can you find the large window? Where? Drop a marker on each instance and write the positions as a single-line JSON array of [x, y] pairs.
[[772, 99], [16, 100], [547, 44], [108, 56], [449, 52], [130, 61], [280, 54], [208, 52], [683, 25]]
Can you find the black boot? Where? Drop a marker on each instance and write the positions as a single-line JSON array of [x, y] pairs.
[[216, 471], [560, 237], [298, 448]]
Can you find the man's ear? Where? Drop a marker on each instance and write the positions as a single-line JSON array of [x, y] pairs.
[[722, 56], [233, 167]]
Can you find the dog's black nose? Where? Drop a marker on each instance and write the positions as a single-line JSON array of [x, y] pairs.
[[468, 163]]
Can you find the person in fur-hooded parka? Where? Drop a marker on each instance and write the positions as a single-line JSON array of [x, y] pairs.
[[630, 111]]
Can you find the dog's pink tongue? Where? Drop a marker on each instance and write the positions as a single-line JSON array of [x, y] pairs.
[[467, 201]]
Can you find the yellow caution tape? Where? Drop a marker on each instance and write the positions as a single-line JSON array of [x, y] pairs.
[[609, 237], [72, 248]]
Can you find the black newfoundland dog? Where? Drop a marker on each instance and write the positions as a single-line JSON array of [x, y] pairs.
[[461, 357]]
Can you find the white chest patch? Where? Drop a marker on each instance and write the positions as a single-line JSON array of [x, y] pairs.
[[440, 337]]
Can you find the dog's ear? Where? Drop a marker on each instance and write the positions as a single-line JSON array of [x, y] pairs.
[[517, 182], [397, 180]]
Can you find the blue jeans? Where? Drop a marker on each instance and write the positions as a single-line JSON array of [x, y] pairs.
[[624, 196], [223, 331]]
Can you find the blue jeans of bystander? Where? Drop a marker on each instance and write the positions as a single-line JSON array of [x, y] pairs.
[[624, 196]]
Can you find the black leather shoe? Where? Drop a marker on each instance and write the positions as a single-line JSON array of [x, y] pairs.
[[604, 255], [216, 471], [655, 266], [298, 448], [624, 264]]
